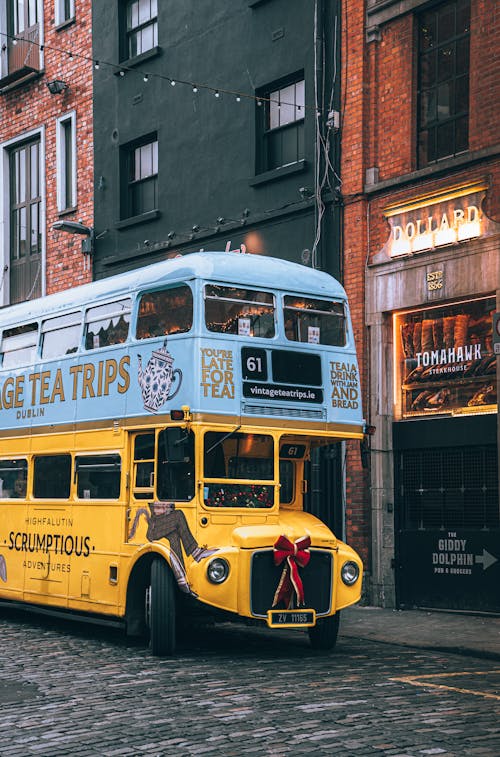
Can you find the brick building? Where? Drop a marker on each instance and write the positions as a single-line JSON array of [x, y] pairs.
[[46, 142], [421, 181]]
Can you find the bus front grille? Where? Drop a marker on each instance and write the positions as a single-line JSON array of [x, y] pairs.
[[293, 412], [316, 578]]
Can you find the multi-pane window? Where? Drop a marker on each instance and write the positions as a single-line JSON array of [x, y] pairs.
[[443, 71], [18, 345], [64, 11], [19, 18], [247, 312], [23, 15], [142, 187], [25, 236], [142, 26], [169, 311], [13, 478], [98, 476], [144, 466], [314, 321], [66, 162], [281, 113], [61, 335], [52, 477], [108, 324]]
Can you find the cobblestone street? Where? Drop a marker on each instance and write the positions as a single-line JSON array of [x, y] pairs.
[[73, 690]]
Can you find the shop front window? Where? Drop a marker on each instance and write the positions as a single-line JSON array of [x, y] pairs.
[[444, 360]]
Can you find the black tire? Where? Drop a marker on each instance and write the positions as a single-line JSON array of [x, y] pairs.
[[162, 613], [324, 634]]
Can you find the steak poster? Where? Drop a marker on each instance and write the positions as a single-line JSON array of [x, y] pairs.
[[445, 359]]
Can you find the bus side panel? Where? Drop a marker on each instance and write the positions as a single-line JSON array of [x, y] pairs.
[[95, 561], [13, 518]]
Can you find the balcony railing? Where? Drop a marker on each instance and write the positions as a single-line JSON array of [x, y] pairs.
[[23, 56]]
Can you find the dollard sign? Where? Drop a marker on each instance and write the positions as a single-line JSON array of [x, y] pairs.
[[437, 220]]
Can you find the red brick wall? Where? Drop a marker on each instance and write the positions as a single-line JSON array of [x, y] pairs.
[[484, 79], [379, 130], [355, 138], [31, 106]]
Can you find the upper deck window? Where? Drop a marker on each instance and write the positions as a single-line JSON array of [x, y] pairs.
[[167, 312], [19, 345], [246, 312], [107, 324], [315, 321], [61, 335]]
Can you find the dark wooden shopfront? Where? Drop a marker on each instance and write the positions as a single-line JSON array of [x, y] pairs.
[[447, 514]]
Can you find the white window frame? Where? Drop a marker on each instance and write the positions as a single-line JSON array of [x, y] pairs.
[[5, 214], [59, 16], [4, 63], [63, 202]]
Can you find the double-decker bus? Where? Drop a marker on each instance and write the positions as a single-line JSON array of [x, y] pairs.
[[155, 428]]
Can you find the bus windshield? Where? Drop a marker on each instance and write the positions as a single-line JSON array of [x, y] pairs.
[[246, 458]]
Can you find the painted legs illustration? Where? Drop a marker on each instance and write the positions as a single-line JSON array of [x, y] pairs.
[[165, 522]]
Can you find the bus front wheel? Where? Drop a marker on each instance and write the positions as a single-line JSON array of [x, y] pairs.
[[324, 634], [162, 609]]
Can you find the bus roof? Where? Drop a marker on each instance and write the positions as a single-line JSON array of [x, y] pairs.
[[230, 267]]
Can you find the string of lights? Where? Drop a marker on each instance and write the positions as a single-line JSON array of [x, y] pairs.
[[223, 225], [123, 70]]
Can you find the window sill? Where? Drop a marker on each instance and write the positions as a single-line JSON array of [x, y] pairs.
[[66, 211], [64, 24], [28, 76], [435, 170], [151, 215], [278, 173], [138, 59]]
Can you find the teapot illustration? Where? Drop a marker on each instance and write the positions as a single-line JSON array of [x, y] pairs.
[[157, 378]]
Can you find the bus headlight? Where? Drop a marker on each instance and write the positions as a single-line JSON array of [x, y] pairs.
[[217, 570], [349, 573]]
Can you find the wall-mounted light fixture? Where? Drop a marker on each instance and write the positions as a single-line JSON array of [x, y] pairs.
[[74, 227], [56, 86]]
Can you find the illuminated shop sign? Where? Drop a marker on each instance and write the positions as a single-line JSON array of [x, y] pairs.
[[444, 360], [437, 220]]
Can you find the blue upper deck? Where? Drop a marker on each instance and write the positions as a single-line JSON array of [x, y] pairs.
[[241, 372], [247, 270]]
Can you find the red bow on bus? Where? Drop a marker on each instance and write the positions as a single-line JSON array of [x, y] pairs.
[[296, 555]]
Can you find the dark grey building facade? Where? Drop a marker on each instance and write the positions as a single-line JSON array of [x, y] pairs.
[[216, 123]]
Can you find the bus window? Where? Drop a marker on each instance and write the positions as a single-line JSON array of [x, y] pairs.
[[13, 478], [144, 465], [52, 476], [61, 335], [246, 312], [107, 324], [175, 464], [314, 321], [167, 312], [287, 478], [248, 458], [98, 476], [19, 345]]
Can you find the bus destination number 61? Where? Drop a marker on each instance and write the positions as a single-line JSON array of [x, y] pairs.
[[254, 363]]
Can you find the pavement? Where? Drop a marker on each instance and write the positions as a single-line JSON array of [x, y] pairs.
[[466, 634]]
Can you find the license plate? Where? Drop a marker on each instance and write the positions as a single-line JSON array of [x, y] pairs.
[[290, 618]]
